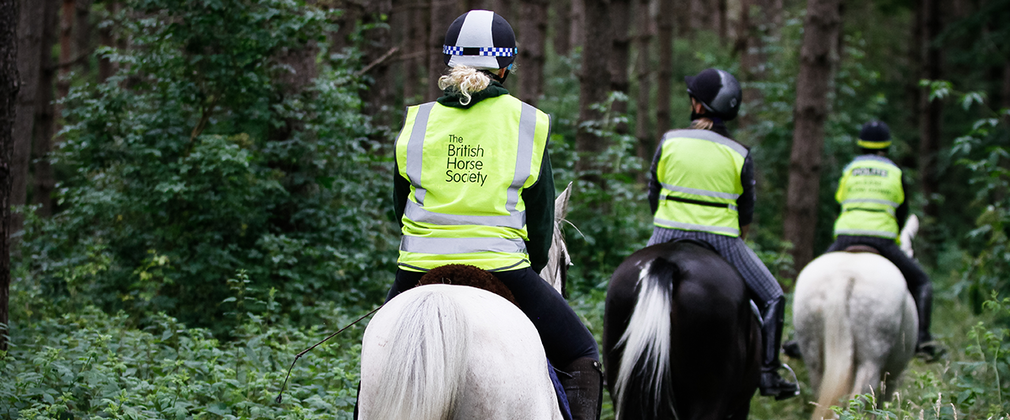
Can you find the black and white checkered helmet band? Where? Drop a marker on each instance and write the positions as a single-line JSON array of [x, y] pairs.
[[481, 39]]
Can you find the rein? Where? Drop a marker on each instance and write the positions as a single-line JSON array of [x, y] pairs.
[[283, 385]]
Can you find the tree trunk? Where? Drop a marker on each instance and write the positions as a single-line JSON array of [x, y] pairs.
[[82, 35], [561, 27], [8, 97], [685, 16], [107, 38], [820, 34], [750, 47], [594, 82], [664, 22], [29, 52], [45, 121], [378, 56], [443, 12], [413, 51], [931, 113], [722, 20], [533, 22], [620, 23], [642, 74], [67, 14], [578, 24]]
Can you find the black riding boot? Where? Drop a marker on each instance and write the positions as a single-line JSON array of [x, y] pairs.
[[925, 346], [583, 383], [771, 334]]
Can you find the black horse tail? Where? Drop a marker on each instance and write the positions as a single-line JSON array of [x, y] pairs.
[[646, 342]]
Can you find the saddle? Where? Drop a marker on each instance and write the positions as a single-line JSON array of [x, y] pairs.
[[467, 275], [861, 248]]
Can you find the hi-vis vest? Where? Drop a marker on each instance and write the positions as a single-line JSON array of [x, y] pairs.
[[699, 172], [869, 192], [467, 169]]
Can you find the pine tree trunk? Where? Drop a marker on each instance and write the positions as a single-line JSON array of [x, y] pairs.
[[620, 23], [594, 82], [443, 12], [533, 22], [107, 38], [664, 22], [577, 24], [820, 33], [9, 15], [931, 113], [68, 13], [82, 35], [561, 27], [378, 56], [45, 121], [642, 75], [29, 52]]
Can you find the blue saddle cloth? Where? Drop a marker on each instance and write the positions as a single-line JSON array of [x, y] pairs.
[[566, 412]]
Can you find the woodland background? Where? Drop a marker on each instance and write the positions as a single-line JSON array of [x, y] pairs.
[[196, 190]]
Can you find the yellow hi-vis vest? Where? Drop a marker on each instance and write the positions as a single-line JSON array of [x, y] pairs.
[[699, 172], [869, 192], [467, 169]]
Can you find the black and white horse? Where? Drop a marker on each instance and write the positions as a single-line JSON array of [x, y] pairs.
[[680, 339]]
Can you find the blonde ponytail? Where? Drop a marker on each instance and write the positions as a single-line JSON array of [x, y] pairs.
[[465, 80], [702, 123]]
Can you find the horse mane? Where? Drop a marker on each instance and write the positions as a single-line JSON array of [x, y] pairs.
[[467, 275]]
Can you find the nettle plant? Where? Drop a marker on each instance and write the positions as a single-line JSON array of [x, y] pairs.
[[206, 155]]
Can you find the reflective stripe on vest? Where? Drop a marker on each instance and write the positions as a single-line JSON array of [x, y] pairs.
[[699, 174], [869, 192], [468, 207]]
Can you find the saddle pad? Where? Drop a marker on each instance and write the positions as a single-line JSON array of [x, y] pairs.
[[566, 412]]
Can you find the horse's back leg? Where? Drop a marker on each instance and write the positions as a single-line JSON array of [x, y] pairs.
[[868, 378]]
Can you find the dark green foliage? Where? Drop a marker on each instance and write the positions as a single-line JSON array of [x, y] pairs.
[[199, 160]]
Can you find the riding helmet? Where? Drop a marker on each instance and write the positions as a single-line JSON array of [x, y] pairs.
[[717, 90], [874, 135], [481, 39]]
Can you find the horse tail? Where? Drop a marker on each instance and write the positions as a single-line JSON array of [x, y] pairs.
[[839, 350], [647, 339], [426, 366]]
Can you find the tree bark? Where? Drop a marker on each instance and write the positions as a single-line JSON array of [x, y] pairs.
[[379, 98], [721, 23], [561, 27], [82, 35], [578, 24], [594, 81], [664, 22], [443, 12], [820, 34], [931, 113], [533, 22], [107, 38], [620, 23], [67, 14], [642, 75], [28, 62], [9, 16], [685, 16], [45, 121]]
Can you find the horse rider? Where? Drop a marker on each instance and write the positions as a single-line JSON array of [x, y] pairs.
[[872, 195], [702, 188], [473, 185]]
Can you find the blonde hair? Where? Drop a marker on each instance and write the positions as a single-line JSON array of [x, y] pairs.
[[702, 123], [466, 80]]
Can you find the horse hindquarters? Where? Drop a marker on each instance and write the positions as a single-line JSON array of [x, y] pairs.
[[411, 358], [454, 352]]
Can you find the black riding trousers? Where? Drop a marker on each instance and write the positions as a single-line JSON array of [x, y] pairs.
[[564, 336]]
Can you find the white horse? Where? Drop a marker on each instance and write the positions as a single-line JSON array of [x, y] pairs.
[[855, 324], [441, 352]]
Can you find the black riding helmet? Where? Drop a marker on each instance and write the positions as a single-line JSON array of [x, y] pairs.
[[874, 135], [717, 90]]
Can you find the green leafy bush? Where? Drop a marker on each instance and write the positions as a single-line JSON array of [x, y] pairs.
[[205, 156]]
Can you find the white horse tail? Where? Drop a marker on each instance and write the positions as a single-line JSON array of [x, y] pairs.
[[646, 358], [839, 350], [425, 371], [908, 233]]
